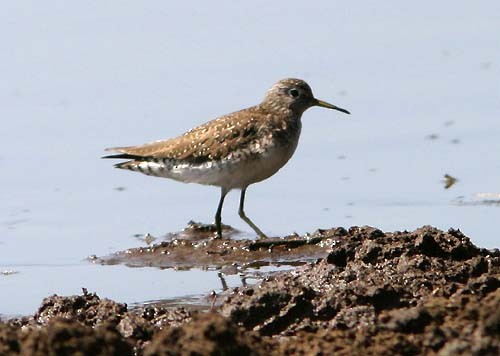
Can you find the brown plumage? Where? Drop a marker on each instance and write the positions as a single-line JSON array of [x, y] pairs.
[[234, 150], [210, 141]]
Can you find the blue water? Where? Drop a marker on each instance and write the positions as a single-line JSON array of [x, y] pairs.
[[78, 78]]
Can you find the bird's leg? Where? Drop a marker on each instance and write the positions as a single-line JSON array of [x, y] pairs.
[[218, 214], [223, 281], [241, 212]]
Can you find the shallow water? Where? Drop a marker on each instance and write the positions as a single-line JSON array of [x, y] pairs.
[[421, 81]]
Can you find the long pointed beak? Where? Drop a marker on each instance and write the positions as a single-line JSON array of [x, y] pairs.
[[324, 104]]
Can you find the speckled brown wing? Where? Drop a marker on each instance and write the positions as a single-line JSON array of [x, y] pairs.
[[210, 141]]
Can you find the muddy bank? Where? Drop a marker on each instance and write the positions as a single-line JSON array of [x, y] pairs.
[[420, 292], [195, 247]]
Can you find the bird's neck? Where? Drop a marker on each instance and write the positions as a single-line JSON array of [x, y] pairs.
[[278, 113], [282, 122]]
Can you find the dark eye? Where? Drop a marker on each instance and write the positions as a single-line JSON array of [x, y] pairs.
[[294, 93]]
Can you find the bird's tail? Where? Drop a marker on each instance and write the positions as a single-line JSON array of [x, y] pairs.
[[132, 164]]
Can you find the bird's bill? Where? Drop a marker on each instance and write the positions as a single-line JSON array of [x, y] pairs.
[[324, 104]]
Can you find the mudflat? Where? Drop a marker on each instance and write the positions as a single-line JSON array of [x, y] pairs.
[[362, 291]]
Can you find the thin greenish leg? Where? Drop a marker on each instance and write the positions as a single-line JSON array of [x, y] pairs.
[[245, 218]]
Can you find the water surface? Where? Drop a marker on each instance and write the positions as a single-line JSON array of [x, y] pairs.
[[421, 81]]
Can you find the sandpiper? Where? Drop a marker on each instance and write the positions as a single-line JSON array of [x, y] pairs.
[[234, 150]]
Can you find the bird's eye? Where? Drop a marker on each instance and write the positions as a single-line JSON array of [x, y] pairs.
[[294, 93]]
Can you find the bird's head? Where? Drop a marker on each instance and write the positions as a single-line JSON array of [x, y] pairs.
[[296, 95]]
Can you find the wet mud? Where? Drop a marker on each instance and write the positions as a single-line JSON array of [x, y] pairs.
[[371, 292], [196, 247]]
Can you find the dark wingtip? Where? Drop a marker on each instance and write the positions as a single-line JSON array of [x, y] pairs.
[[121, 156]]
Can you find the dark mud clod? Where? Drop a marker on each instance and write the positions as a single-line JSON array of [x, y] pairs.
[[337, 257]]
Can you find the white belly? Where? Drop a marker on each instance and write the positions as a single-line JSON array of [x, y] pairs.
[[235, 171]]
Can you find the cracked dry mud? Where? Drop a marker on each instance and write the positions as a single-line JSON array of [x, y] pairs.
[[402, 293]]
